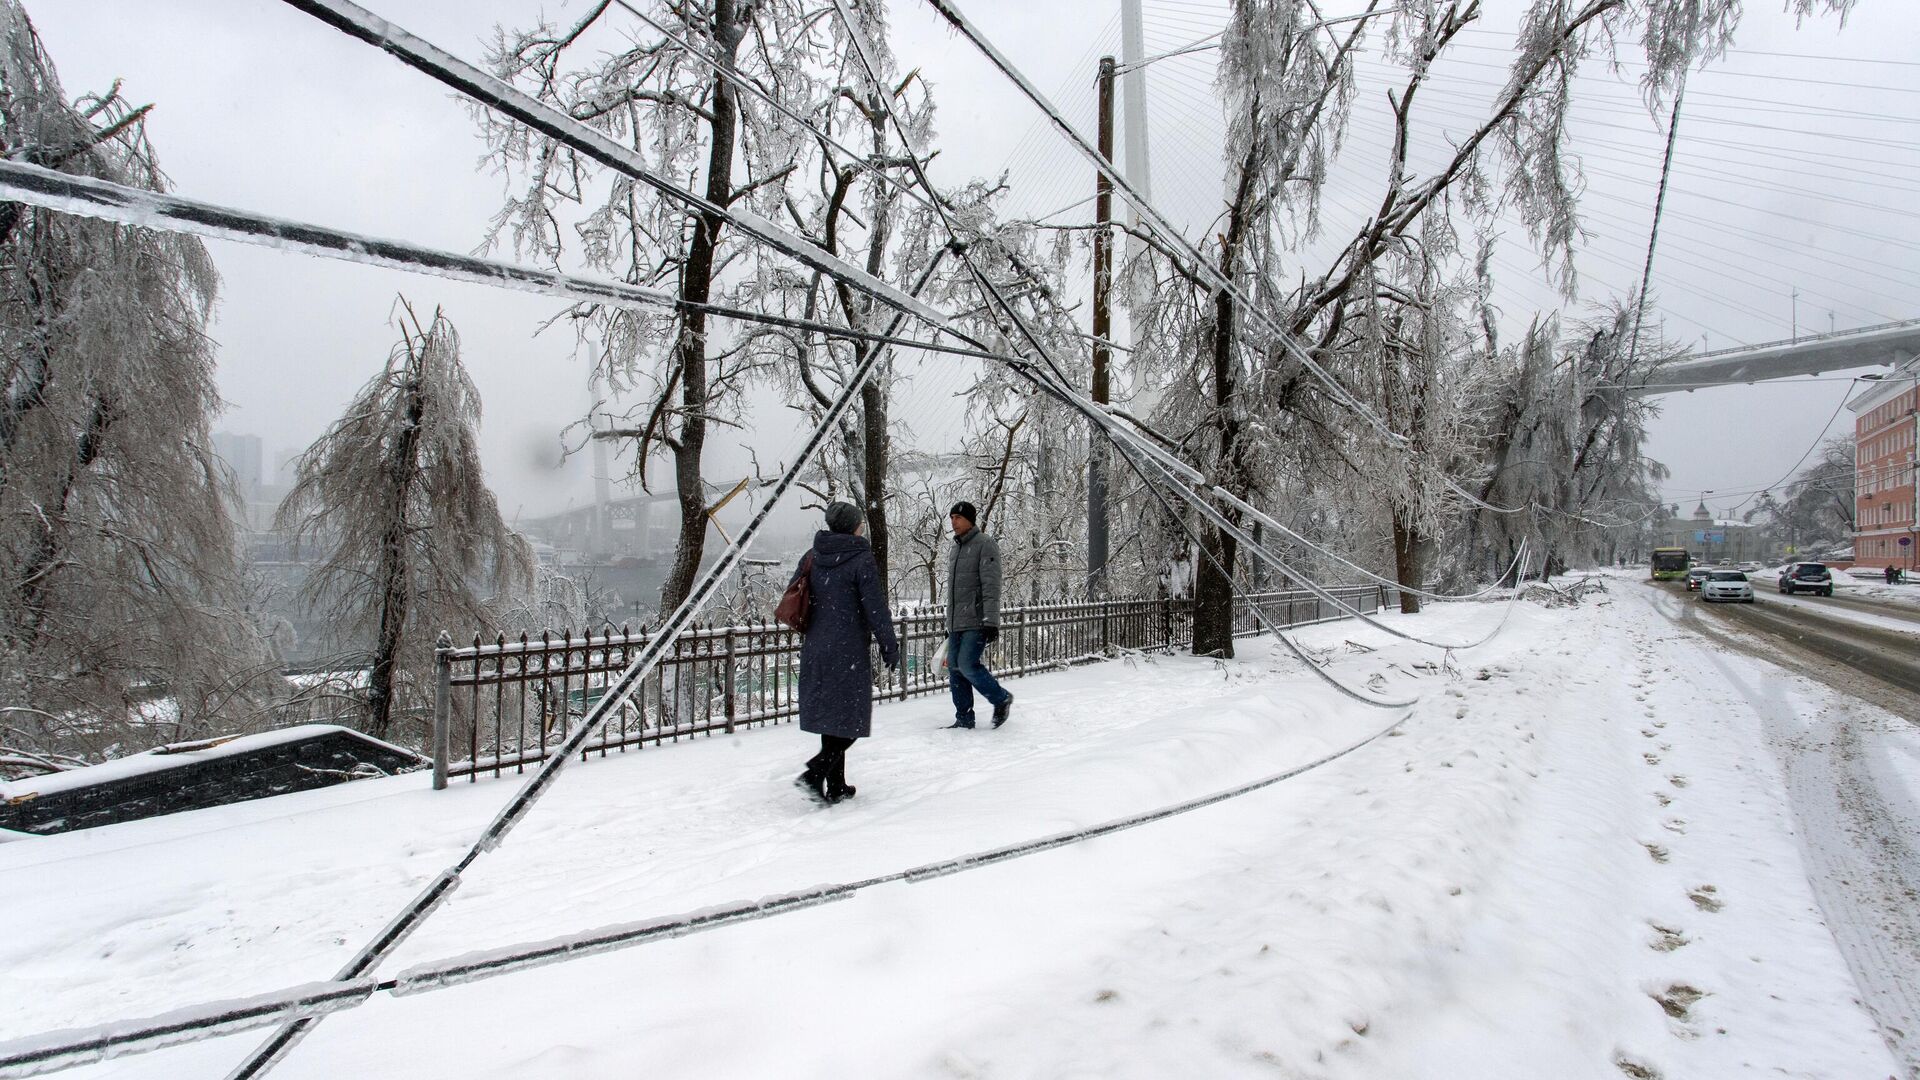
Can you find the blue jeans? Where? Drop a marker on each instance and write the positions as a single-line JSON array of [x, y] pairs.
[[965, 673]]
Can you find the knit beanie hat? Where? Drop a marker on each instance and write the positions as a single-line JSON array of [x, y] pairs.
[[965, 509], [843, 517]]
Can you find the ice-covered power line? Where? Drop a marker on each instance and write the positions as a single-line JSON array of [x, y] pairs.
[[1211, 41], [1157, 223], [1051, 378], [457, 74], [1198, 264], [107, 201]]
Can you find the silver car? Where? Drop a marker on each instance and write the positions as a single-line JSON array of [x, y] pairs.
[[1731, 585]]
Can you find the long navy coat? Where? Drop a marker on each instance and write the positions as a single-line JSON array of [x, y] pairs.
[[836, 670]]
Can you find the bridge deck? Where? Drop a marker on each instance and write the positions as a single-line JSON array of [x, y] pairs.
[[1869, 346]]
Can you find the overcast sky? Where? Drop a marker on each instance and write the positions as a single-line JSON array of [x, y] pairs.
[[1795, 171]]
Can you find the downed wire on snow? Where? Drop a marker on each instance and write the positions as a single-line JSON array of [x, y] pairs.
[[60, 1050]]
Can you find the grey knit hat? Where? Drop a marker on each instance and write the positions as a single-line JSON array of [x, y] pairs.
[[843, 517]]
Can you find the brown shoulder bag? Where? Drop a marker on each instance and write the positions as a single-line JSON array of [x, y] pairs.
[[796, 604]]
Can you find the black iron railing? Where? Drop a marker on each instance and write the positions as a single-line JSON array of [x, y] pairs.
[[503, 705]]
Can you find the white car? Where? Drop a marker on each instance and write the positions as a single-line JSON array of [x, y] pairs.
[[1729, 585]]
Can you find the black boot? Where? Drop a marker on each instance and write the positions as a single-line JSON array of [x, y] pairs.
[[814, 779], [813, 783], [836, 788], [1003, 710], [961, 722]]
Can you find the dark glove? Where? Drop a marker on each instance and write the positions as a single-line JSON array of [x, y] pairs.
[[892, 661], [990, 634]]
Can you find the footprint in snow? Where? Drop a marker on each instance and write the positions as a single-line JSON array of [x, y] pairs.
[[1662, 798], [1652, 759], [1639, 1070], [1666, 938], [1677, 780], [1678, 1000], [1658, 852], [1706, 898], [1674, 824]]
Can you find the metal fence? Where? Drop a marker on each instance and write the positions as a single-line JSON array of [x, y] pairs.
[[503, 705]]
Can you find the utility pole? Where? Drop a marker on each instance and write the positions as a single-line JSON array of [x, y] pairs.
[[1794, 299], [1102, 333]]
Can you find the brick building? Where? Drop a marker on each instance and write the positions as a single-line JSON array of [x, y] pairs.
[[1885, 503]]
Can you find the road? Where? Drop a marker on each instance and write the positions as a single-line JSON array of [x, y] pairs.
[[1859, 820], [1865, 638]]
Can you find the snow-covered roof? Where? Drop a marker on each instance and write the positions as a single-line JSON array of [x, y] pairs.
[[162, 758]]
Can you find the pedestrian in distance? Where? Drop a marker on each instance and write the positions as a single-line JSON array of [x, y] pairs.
[[848, 609], [973, 617]]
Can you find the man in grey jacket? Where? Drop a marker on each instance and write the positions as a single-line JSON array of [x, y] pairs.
[[973, 618]]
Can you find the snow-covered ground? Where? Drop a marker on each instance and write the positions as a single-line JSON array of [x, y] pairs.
[[1870, 586], [1575, 858]]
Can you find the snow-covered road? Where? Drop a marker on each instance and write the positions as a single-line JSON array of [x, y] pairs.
[[1576, 858]]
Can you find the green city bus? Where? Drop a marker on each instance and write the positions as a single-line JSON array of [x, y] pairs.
[[1669, 564]]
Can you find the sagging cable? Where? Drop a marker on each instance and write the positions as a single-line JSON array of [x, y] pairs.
[[1158, 224], [444, 67], [85, 196]]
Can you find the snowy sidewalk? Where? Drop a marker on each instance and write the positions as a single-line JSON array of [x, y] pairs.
[[1566, 831]]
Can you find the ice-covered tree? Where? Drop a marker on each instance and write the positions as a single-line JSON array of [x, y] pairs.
[[1818, 511], [1415, 361], [395, 496], [857, 207], [1564, 441], [1243, 403], [665, 88], [118, 578]]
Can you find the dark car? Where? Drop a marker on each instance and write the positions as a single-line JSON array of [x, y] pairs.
[[1697, 575], [1810, 577]]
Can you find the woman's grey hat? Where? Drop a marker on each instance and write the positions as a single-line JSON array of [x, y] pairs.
[[843, 517]]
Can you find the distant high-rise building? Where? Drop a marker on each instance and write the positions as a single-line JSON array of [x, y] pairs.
[[243, 454]]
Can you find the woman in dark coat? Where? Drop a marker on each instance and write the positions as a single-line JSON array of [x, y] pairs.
[[836, 670]]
